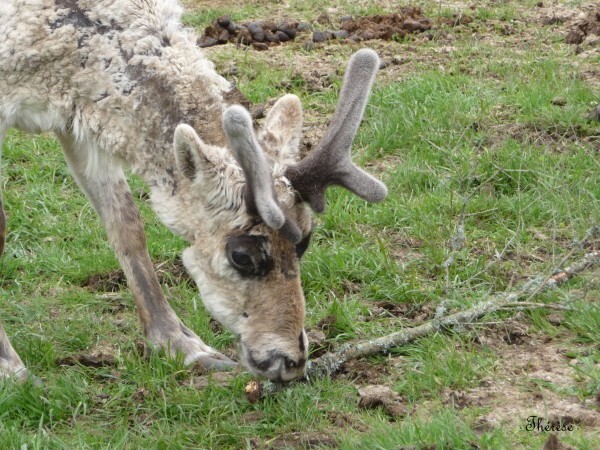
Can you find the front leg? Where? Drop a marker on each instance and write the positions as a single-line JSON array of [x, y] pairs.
[[106, 187]]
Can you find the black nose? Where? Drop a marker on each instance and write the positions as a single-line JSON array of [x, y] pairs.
[[289, 363], [275, 360]]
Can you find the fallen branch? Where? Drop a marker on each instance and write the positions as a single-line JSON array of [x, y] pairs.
[[531, 305], [331, 362]]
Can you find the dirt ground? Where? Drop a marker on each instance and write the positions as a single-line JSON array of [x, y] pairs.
[[532, 370]]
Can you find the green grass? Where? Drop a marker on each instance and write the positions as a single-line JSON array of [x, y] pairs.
[[473, 138]]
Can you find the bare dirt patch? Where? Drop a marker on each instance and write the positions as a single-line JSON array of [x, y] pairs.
[[303, 440], [380, 396], [364, 372], [92, 360], [389, 26], [580, 27], [586, 27], [552, 137], [202, 378], [533, 377], [415, 313], [341, 420], [554, 443]]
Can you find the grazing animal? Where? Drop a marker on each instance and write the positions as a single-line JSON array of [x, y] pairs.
[[123, 85]]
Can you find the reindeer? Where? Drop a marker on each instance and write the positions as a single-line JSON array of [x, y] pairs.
[[122, 85]]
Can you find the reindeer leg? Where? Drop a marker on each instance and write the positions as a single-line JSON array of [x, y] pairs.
[[106, 187], [2, 215], [2, 226], [10, 362]]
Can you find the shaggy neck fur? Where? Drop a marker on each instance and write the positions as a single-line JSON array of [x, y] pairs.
[[122, 76]]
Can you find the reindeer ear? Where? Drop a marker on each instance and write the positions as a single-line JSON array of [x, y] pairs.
[[192, 155], [187, 150], [283, 127]]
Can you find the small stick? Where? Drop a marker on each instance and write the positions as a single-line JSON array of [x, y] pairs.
[[529, 305]]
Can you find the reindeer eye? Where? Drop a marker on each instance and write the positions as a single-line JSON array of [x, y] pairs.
[[241, 259], [248, 255]]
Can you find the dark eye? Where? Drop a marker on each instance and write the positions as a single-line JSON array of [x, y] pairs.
[[241, 259], [302, 245], [249, 255]]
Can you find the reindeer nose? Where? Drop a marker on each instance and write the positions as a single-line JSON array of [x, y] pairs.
[[292, 368], [285, 362], [289, 363], [280, 367]]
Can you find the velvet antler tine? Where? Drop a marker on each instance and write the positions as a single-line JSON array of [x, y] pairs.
[[237, 124], [260, 191], [330, 162]]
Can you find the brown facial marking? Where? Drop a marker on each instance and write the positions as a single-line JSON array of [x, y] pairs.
[[301, 342], [277, 301], [302, 246], [288, 263]]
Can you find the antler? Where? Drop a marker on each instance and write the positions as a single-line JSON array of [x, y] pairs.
[[260, 192], [330, 162]]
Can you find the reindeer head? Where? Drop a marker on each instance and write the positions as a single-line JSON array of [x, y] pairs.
[[259, 196]]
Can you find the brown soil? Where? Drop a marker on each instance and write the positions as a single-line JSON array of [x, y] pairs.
[[364, 372], [92, 360], [553, 443], [585, 27], [554, 137], [344, 420], [533, 377], [410, 312], [389, 26], [380, 396], [298, 440]]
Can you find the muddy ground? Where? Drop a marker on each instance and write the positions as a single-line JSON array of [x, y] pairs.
[[264, 34]]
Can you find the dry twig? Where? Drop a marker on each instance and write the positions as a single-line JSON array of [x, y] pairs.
[[530, 305]]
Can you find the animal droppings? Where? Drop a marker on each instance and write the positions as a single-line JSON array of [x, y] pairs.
[[263, 34]]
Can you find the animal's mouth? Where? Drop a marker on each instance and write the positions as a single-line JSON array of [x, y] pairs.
[[275, 366]]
